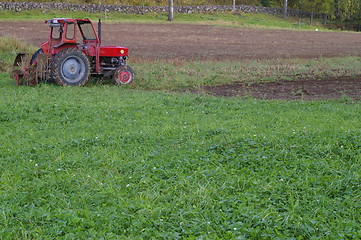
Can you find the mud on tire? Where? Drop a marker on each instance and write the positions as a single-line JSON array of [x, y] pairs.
[[70, 67]]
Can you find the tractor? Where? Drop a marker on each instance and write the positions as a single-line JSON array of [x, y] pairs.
[[72, 53]]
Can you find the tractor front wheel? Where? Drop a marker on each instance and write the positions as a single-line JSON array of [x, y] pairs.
[[123, 75], [70, 68]]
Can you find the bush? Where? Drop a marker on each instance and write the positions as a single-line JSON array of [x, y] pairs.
[[265, 3]]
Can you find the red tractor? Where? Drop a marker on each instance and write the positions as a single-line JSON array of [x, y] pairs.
[[72, 53]]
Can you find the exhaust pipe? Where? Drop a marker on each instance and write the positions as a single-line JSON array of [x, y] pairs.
[[100, 31]]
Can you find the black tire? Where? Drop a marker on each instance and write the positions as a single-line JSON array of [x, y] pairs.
[[123, 75], [70, 67]]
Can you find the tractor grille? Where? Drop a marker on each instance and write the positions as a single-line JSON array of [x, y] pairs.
[[111, 63]]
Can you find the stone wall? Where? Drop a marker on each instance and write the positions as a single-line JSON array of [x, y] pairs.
[[21, 6]]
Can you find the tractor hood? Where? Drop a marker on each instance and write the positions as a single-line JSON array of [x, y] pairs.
[[113, 51]]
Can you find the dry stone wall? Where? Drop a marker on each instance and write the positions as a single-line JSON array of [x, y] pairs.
[[21, 6]]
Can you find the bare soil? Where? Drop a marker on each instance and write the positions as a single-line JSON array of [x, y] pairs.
[[306, 89], [204, 42]]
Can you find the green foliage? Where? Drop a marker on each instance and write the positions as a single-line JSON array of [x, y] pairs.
[[9, 48], [266, 3], [106, 162], [230, 19], [193, 74], [346, 10]]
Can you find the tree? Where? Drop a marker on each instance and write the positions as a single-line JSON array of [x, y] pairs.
[[266, 3], [344, 10], [284, 9], [171, 10]]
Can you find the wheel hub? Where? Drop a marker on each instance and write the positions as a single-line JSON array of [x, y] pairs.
[[72, 69], [124, 76]]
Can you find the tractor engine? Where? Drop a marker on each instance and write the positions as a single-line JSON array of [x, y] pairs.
[[111, 63]]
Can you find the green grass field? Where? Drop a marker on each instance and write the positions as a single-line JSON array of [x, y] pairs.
[[105, 162], [146, 162], [222, 19]]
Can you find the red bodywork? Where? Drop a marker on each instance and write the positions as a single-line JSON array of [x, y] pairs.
[[65, 33]]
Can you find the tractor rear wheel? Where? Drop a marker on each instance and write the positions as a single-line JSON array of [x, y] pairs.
[[70, 67], [123, 75], [35, 55]]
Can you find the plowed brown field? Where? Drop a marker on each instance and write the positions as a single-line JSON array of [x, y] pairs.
[[188, 41]]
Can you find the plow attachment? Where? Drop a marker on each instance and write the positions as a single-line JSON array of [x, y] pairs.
[[30, 69], [26, 77]]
